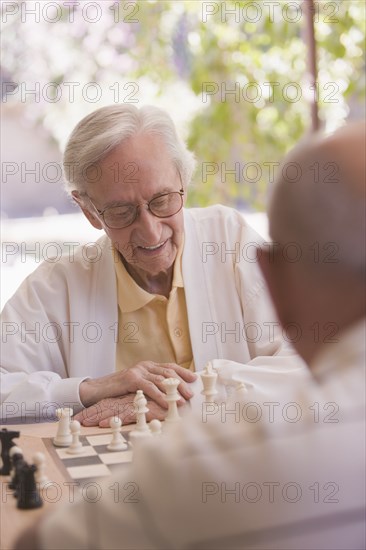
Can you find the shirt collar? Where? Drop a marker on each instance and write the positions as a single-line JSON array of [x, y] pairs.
[[131, 296], [177, 269]]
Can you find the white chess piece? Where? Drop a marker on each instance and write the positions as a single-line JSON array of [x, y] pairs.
[[118, 442], [241, 388], [209, 379], [63, 437], [155, 427], [141, 430], [239, 393], [39, 460], [76, 446], [172, 396]]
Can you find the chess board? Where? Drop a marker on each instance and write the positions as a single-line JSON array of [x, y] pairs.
[[96, 462]]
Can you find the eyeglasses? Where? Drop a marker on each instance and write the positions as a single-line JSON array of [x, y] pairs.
[[121, 216]]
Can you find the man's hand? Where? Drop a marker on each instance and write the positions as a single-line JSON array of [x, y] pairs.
[[123, 407], [146, 376]]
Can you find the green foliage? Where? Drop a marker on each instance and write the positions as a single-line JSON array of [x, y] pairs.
[[262, 61]]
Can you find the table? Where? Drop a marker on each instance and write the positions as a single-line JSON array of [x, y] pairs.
[[12, 520]]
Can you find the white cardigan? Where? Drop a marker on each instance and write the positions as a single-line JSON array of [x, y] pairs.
[[59, 327]]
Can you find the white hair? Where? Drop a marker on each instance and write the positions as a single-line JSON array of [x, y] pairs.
[[96, 135]]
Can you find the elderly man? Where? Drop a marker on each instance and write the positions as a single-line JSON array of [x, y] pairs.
[[163, 292], [290, 481]]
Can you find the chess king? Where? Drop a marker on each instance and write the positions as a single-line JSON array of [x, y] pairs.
[[163, 291]]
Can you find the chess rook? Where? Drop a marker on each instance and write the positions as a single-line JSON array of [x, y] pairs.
[[63, 437]]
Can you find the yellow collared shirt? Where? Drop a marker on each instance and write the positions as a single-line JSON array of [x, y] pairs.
[[152, 327]]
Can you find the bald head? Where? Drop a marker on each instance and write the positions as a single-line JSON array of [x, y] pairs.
[[320, 197], [348, 146], [318, 210]]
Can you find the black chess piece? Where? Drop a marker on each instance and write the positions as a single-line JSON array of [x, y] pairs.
[[6, 437], [28, 493], [17, 461]]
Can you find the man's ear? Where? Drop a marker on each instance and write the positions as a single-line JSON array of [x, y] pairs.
[[95, 222], [263, 257], [268, 262]]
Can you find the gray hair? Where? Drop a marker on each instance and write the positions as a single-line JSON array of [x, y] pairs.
[[96, 135], [317, 205]]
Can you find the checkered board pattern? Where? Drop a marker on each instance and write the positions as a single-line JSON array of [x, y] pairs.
[[94, 463]]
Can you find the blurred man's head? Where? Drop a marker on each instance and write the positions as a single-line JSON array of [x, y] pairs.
[[316, 274]]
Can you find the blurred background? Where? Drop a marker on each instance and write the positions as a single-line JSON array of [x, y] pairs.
[[244, 81]]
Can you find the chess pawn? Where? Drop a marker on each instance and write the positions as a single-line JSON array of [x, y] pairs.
[[118, 442], [39, 460], [155, 427], [63, 437], [76, 446], [209, 379], [241, 389]]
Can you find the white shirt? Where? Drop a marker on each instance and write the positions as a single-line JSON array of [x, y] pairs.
[[274, 483], [60, 326]]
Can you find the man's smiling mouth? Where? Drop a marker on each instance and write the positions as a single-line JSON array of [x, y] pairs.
[[155, 247]]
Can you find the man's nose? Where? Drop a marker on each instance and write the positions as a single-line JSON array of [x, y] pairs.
[[149, 226]]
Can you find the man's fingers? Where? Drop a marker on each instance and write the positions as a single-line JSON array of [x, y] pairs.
[[185, 391], [183, 387], [185, 374], [91, 418], [168, 370], [158, 414], [126, 418], [155, 411], [152, 391], [105, 423], [89, 422], [106, 409], [88, 416]]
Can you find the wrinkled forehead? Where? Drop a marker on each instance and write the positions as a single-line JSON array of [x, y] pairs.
[[136, 169], [142, 148], [142, 155]]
